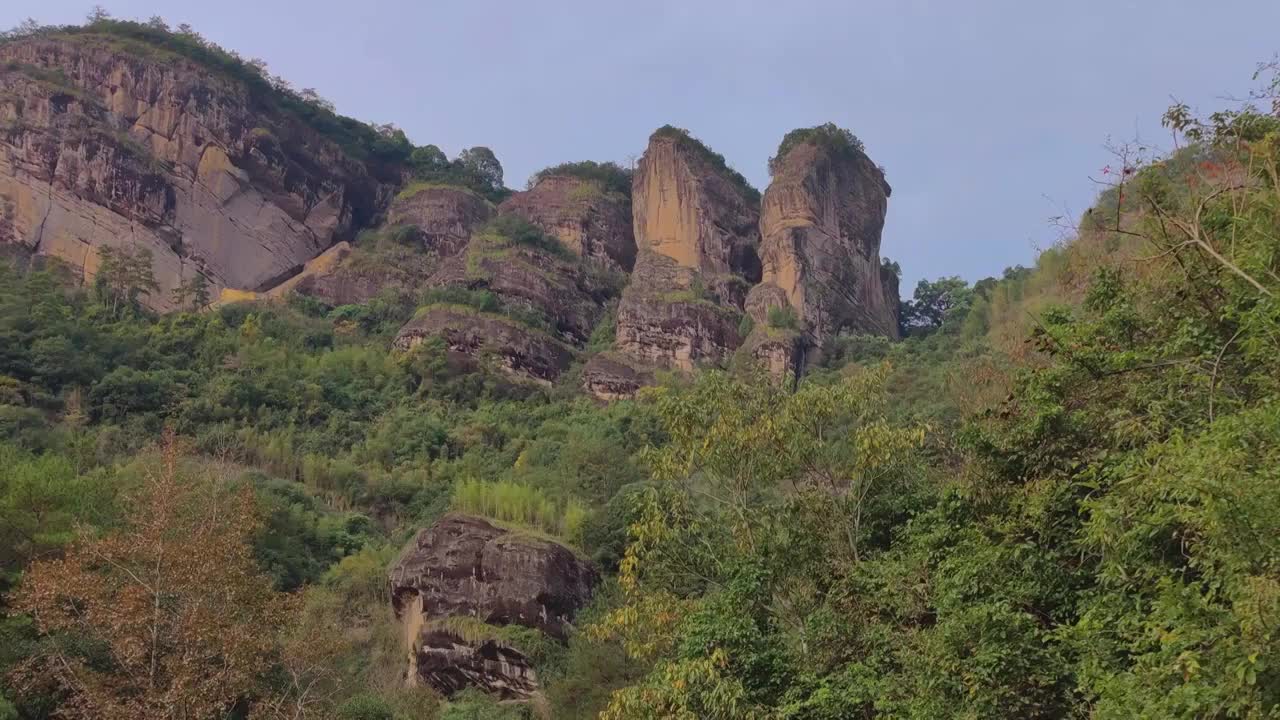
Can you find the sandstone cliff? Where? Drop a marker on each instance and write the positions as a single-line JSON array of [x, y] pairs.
[[696, 230], [590, 221], [820, 222], [108, 142], [460, 580]]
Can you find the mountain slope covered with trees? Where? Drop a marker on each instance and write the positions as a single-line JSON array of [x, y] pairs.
[[1054, 494]]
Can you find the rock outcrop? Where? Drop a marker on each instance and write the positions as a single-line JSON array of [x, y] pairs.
[[514, 347], [440, 217], [589, 220], [465, 573], [103, 146], [669, 318], [696, 230], [614, 376], [820, 222]]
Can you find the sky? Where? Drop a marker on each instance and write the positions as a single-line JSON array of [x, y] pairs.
[[990, 117]]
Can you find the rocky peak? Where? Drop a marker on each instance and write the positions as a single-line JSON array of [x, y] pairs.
[[582, 213], [692, 208], [110, 141], [820, 222]]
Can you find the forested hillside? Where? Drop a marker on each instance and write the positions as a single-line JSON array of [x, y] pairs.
[[1054, 493]]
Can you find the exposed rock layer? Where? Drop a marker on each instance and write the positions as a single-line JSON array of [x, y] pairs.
[[104, 147]]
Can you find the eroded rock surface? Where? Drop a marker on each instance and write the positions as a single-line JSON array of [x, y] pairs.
[[590, 221], [696, 229], [614, 376], [514, 347], [443, 217], [821, 221], [103, 147], [465, 567]]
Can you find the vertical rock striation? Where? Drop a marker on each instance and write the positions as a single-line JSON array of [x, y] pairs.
[[820, 224], [696, 231]]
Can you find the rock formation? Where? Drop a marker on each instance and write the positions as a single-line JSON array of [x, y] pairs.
[[441, 217], [516, 348], [590, 221], [820, 222], [464, 573], [614, 376], [696, 230], [101, 146]]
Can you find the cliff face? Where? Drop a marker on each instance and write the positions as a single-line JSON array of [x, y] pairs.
[[590, 221], [820, 222], [691, 211], [696, 230], [102, 146]]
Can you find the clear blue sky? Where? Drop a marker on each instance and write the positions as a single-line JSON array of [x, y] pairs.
[[988, 115]]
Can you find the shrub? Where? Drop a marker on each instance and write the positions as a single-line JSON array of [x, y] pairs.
[[611, 176], [783, 317], [830, 136], [522, 504]]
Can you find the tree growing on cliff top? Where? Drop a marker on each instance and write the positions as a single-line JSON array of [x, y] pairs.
[[168, 617]]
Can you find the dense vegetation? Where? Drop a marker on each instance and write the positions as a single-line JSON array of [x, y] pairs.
[[611, 176], [1057, 497]]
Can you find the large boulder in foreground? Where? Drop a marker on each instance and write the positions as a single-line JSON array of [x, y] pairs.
[[820, 222], [591, 221], [462, 583]]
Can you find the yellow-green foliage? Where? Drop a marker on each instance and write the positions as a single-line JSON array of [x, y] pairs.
[[515, 502]]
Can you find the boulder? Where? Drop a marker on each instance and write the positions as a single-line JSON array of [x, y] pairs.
[[104, 147], [590, 221], [462, 580]]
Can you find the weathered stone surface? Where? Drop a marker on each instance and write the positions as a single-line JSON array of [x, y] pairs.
[[697, 233], [445, 216], [590, 221], [449, 662], [467, 568], [670, 316], [821, 222], [102, 147], [613, 376], [689, 210], [516, 349]]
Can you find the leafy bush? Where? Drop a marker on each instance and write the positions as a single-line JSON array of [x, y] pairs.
[[783, 317]]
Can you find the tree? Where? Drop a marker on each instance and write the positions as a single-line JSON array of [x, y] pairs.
[[935, 303], [192, 294], [177, 619], [97, 15], [482, 164], [428, 160], [124, 277]]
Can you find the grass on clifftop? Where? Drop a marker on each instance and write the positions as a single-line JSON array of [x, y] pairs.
[[687, 140], [830, 137]]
